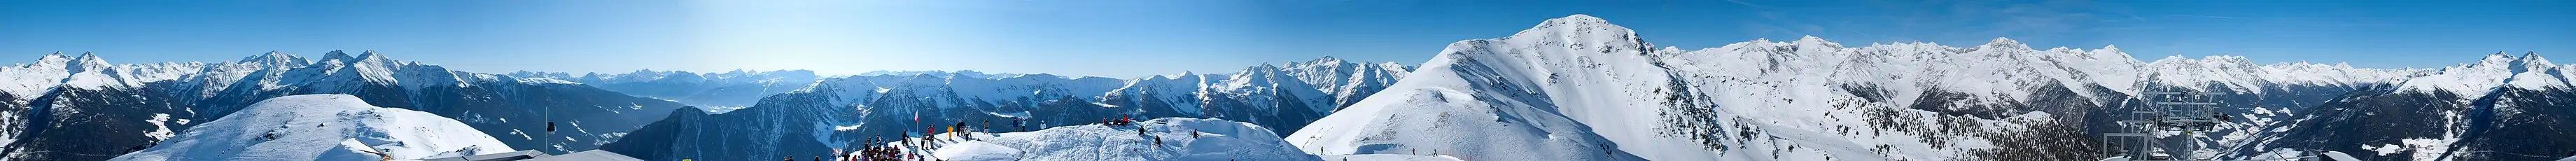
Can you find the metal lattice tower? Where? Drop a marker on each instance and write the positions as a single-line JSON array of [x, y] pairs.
[[2185, 112]]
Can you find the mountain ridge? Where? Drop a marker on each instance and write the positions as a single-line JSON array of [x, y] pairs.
[[1764, 100]]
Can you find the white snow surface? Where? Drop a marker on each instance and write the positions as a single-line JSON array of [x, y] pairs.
[[271, 70], [1472, 101], [1216, 140], [323, 127], [1561, 89]]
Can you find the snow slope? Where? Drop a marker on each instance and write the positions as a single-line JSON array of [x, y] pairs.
[[323, 127], [1214, 140], [1475, 101], [1582, 81], [85, 108]]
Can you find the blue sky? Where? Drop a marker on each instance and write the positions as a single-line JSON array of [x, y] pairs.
[[1126, 38]]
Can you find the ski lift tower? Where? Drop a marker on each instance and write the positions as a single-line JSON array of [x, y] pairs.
[[2185, 112]]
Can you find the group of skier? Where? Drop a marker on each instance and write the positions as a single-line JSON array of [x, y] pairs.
[[877, 153]]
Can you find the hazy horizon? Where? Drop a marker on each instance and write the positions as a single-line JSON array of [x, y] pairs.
[[1138, 38]]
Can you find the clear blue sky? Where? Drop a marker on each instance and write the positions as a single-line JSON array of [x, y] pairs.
[[1126, 38]]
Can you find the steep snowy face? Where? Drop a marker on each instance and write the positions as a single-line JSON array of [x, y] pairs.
[[2529, 71], [2224, 73], [1157, 139], [1319, 86], [2337, 74], [44, 74], [1346, 81], [1266, 87], [339, 72], [2498, 108], [323, 127], [1286, 96], [1179, 93], [1498, 98]]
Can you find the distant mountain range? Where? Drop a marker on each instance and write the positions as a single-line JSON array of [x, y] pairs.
[[728, 90], [1580, 88], [1571, 88], [83, 108], [841, 111]]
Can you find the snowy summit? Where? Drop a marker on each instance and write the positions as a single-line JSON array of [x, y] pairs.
[[323, 127]]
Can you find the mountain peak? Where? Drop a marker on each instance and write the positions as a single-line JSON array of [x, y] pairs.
[[2497, 59], [273, 57], [1816, 41], [372, 56], [88, 61], [341, 56], [55, 58], [2531, 62], [1578, 18], [2001, 42], [1580, 32], [1572, 26]]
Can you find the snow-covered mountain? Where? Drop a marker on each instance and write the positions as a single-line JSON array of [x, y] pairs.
[[1157, 139], [2501, 107], [83, 108], [837, 112], [1571, 88], [1568, 85], [737, 88], [323, 127]]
